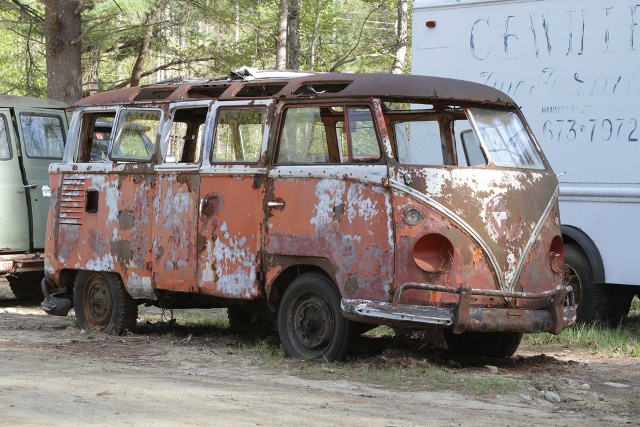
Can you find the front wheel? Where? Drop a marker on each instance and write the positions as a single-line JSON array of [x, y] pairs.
[[102, 303], [310, 320], [488, 344]]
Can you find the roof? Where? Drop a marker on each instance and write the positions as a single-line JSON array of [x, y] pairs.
[[296, 86], [10, 101]]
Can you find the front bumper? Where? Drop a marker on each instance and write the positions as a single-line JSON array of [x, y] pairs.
[[559, 313]]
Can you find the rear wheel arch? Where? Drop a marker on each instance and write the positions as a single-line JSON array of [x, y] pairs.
[[574, 236]]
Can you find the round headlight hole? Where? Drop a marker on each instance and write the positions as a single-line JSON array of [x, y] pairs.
[[433, 253]]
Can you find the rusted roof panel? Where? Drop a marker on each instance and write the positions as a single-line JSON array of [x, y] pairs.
[[388, 86]]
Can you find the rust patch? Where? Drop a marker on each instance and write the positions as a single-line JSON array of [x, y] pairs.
[[338, 210], [126, 219], [351, 287], [121, 249]]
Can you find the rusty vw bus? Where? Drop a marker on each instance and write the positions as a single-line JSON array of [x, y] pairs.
[[323, 203]]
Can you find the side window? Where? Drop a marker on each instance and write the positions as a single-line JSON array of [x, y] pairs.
[[5, 149], [43, 135], [95, 136], [185, 139], [362, 137], [467, 145], [303, 138], [418, 142], [238, 135], [135, 134]]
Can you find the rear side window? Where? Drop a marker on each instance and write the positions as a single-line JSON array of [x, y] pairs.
[[43, 135], [135, 134], [5, 149]]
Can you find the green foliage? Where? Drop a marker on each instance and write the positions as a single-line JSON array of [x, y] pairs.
[[195, 38]]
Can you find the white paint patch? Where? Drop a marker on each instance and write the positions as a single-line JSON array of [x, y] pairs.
[[140, 287]]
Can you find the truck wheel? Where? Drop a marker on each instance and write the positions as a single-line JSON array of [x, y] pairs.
[[487, 344], [310, 321], [591, 300], [244, 322], [102, 303], [619, 303], [26, 286]]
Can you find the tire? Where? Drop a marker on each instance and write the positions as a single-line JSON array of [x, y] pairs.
[[487, 344], [310, 320], [102, 303], [26, 286], [244, 322], [591, 300], [619, 304]]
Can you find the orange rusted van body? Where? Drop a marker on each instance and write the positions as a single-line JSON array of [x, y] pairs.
[[321, 202]]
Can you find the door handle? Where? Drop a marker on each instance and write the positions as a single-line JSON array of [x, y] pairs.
[[30, 186], [275, 204]]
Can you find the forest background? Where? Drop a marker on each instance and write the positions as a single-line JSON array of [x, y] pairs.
[[67, 49]]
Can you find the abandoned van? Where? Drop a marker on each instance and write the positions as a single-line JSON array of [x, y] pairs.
[[323, 203], [32, 135]]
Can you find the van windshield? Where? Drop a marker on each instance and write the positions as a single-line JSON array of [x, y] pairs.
[[443, 135]]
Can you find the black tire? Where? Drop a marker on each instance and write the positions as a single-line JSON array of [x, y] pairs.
[[310, 320], [102, 303], [619, 303], [487, 344], [243, 322], [26, 286], [591, 300]]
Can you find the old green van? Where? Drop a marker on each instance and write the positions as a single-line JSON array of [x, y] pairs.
[[32, 135]]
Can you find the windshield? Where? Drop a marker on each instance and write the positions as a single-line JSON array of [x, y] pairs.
[[443, 135]]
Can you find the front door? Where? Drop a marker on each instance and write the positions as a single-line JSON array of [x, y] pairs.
[[42, 136], [231, 197], [14, 216]]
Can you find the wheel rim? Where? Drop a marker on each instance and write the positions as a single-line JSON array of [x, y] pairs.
[[313, 323], [97, 303], [572, 279]]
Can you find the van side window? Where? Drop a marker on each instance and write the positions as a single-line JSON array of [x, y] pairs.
[[362, 137], [135, 134], [43, 135], [185, 139], [95, 136], [5, 149], [303, 138], [238, 135]]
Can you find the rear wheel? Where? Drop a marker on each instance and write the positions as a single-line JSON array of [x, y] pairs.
[[102, 303], [488, 344], [26, 286], [310, 321], [591, 300], [619, 303]]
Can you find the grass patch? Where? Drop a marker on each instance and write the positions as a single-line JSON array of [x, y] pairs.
[[490, 384], [269, 355], [595, 337]]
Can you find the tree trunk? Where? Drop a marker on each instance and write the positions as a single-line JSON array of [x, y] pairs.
[[91, 72], [281, 35], [401, 38], [62, 25], [152, 18], [293, 36], [314, 37]]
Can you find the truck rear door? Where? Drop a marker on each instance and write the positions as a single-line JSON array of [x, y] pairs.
[[42, 136], [14, 234]]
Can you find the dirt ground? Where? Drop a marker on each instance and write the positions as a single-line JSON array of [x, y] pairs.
[[53, 374]]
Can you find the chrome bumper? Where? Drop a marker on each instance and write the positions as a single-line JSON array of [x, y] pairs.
[[559, 313]]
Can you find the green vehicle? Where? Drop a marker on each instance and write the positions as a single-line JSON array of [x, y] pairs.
[[32, 135]]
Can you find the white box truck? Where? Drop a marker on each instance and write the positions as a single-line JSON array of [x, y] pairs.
[[574, 66]]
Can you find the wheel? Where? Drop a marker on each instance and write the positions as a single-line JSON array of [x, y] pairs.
[[591, 300], [310, 321], [488, 344], [26, 286], [102, 303], [244, 322], [619, 303]]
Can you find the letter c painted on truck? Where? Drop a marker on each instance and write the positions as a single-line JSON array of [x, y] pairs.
[[472, 40]]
